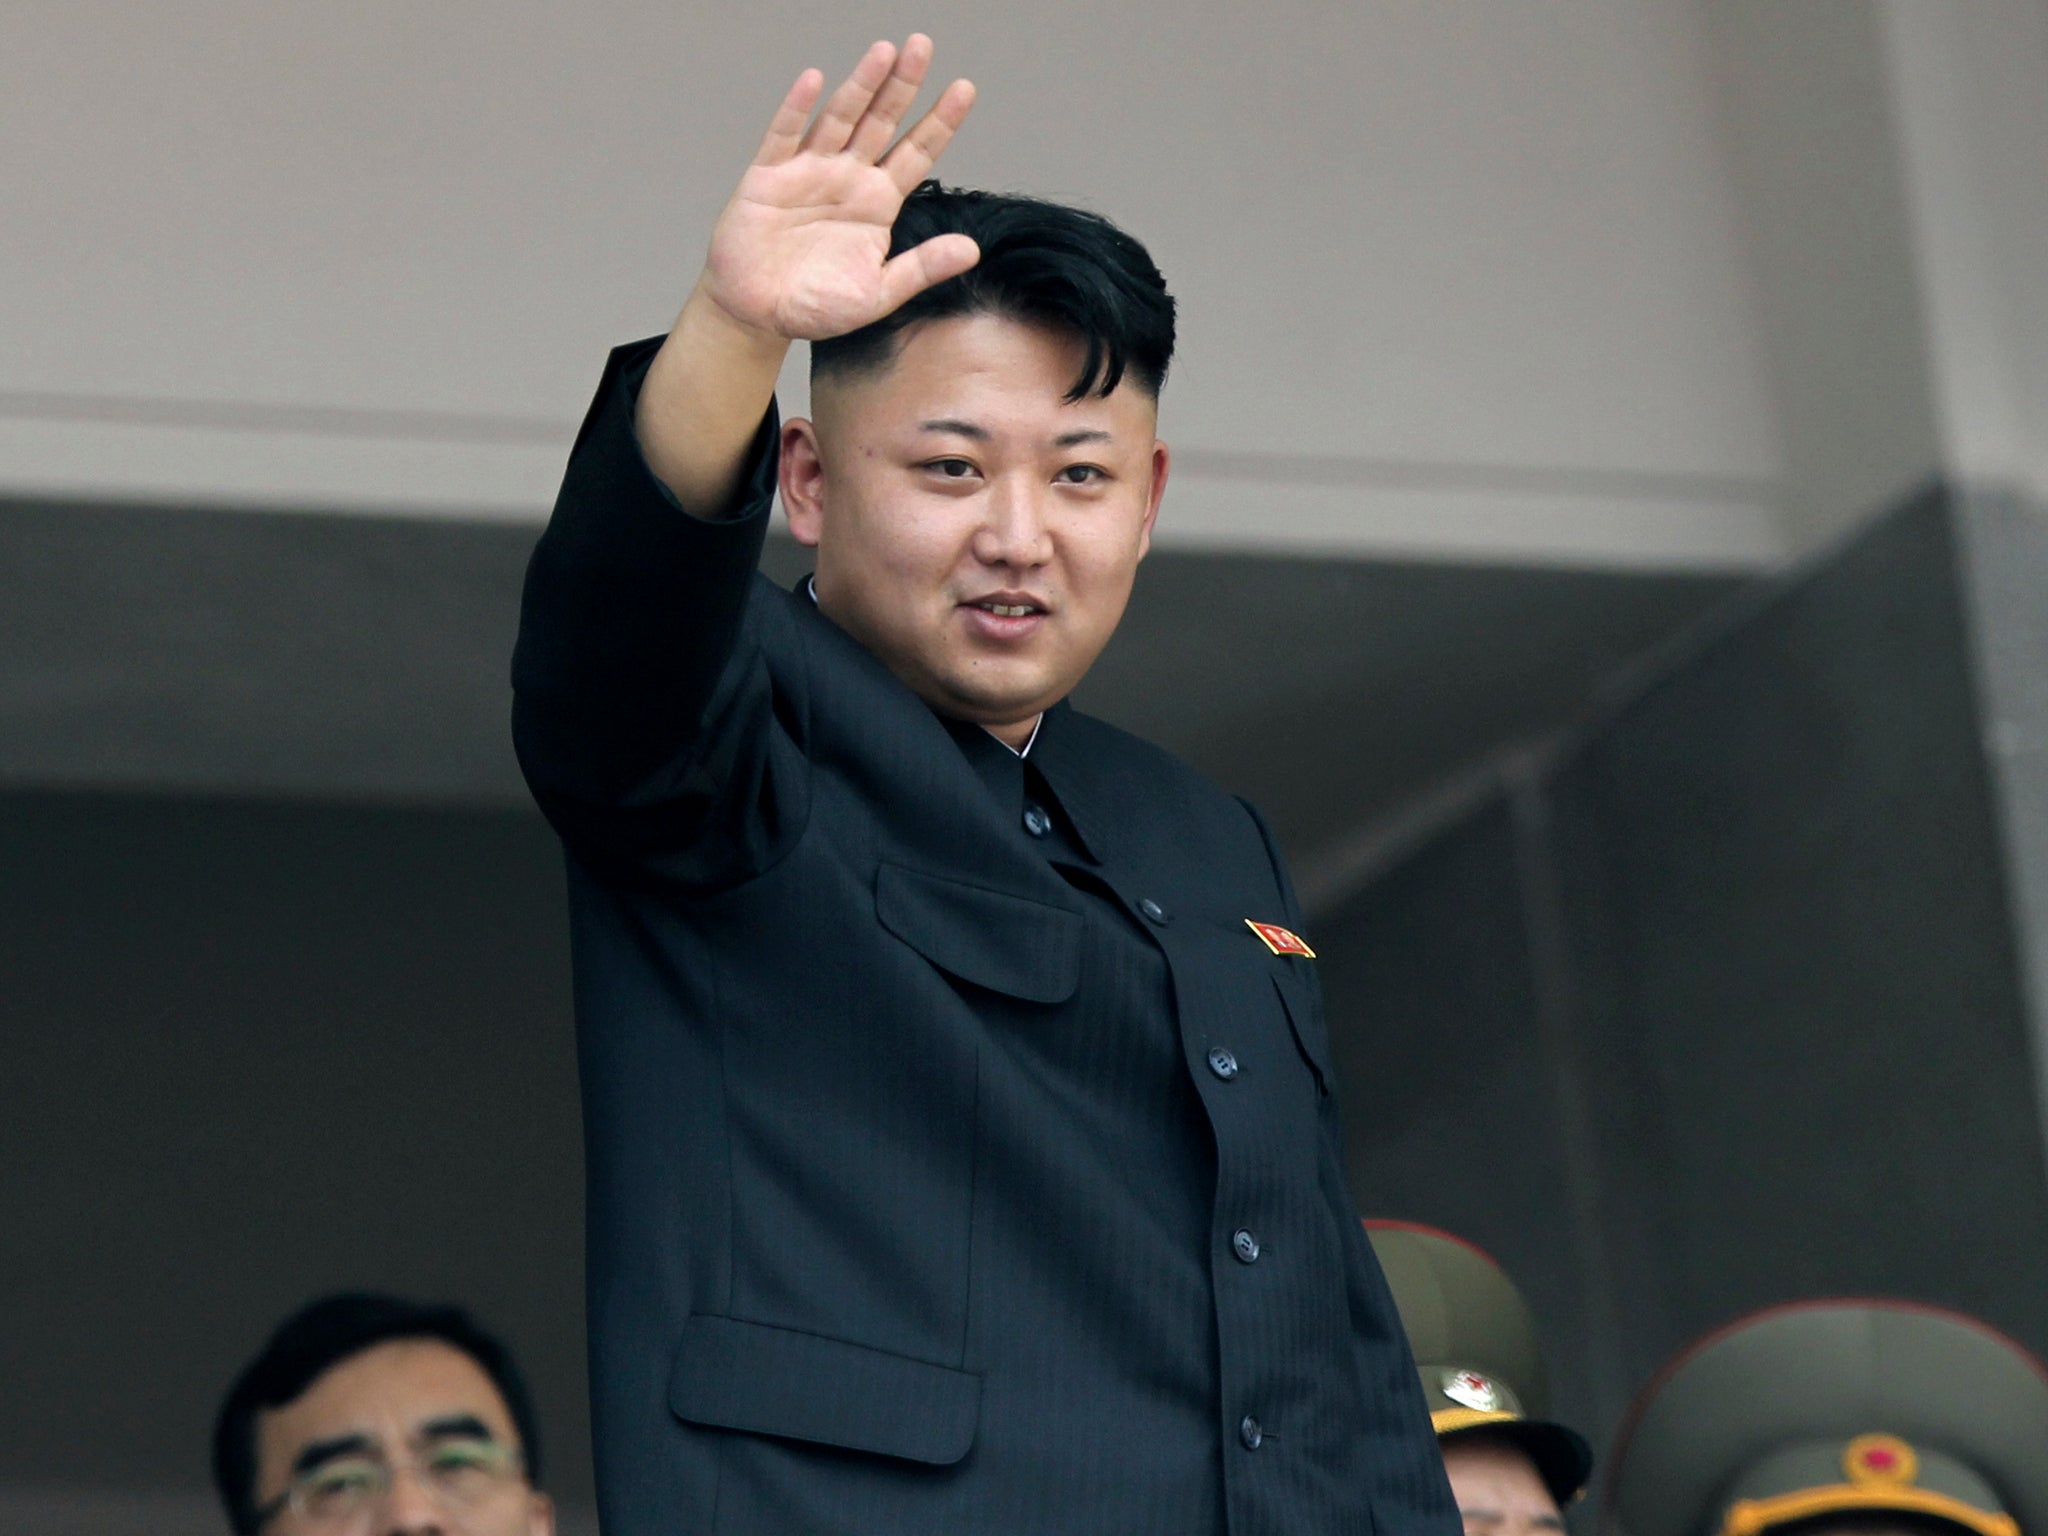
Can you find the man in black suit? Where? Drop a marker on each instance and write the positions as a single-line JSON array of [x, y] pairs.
[[957, 1097]]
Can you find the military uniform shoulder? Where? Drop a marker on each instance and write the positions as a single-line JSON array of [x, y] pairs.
[[1836, 1413]]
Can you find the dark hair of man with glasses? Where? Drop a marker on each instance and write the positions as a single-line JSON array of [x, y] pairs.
[[368, 1413]]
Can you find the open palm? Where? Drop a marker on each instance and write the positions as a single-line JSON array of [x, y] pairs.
[[802, 250]]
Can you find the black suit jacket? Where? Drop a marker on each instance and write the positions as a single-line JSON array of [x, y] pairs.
[[951, 1168]]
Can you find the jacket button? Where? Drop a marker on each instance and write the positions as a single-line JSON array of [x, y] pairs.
[[1153, 911], [1222, 1063], [1249, 1432], [1036, 822], [1245, 1246]]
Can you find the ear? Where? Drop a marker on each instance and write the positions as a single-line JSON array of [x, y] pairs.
[[540, 1520], [1162, 460], [801, 475]]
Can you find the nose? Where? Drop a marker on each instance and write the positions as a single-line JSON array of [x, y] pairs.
[[409, 1510], [1013, 529]]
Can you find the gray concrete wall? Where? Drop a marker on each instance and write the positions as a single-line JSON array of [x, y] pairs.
[[2003, 545], [1721, 1002]]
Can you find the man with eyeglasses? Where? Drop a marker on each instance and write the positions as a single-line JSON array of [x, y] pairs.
[[371, 1414]]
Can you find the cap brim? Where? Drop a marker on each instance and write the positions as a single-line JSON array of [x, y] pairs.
[[1563, 1456], [1824, 1369]]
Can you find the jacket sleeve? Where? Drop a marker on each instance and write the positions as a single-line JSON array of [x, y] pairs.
[[1411, 1495], [643, 710]]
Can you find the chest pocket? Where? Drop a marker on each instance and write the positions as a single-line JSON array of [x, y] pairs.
[[1008, 943]]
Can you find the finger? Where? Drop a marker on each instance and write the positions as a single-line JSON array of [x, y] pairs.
[[844, 107], [878, 126], [786, 130], [912, 158], [904, 277]]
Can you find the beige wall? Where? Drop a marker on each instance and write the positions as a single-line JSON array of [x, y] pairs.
[[1489, 280], [1457, 278]]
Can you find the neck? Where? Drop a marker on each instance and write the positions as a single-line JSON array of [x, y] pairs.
[[1014, 736]]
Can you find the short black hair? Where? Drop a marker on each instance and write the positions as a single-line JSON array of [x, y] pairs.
[[1042, 263], [319, 1336]]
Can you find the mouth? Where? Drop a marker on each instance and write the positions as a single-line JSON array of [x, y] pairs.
[[1005, 616], [1009, 605]]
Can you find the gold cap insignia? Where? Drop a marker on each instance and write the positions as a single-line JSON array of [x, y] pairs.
[[1880, 1459]]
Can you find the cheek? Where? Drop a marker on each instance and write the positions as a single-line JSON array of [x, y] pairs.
[[1102, 563], [904, 560], [927, 540]]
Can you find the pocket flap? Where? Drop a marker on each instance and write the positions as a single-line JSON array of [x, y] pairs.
[[1014, 944], [803, 1386], [1306, 1020]]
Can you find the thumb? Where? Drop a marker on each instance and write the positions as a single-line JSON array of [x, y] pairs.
[[904, 277]]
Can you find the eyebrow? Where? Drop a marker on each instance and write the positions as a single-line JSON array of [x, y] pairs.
[[453, 1426], [320, 1452], [955, 426], [456, 1426], [980, 434]]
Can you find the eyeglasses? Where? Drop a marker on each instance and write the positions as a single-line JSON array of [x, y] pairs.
[[338, 1494]]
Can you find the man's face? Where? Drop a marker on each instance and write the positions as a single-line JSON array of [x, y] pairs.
[[1497, 1489], [974, 529], [408, 1438]]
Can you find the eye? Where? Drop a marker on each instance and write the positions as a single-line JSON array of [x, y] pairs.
[[337, 1476], [950, 469], [467, 1467], [340, 1484], [1082, 474], [461, 1457]]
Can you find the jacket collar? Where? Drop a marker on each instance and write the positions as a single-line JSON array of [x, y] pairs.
[[1077, 771], [1067, 750]]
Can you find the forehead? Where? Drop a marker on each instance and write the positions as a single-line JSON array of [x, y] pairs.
[[384, 1394], [1497, 1474], [971, 367]]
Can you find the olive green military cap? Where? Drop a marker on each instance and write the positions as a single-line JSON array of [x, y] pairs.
[[1474, 1343], [1841, 1407]]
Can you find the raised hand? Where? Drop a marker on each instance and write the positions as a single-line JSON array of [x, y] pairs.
[[802, 250], [800, 253]]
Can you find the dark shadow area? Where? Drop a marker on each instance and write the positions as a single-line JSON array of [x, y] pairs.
[[1723, 1006], [257, 1051], [350, 657]]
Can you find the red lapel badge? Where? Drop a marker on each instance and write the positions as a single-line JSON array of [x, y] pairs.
[[1279, 940]]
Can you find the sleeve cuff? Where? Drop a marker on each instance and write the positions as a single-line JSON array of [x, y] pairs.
[[756, 490]]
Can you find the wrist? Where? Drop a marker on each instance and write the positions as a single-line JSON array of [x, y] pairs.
[[705, 316]]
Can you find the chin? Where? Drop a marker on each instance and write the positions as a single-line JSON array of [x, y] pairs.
[[986, 704]]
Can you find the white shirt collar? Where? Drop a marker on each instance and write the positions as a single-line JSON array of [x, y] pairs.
[[811, 589]]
